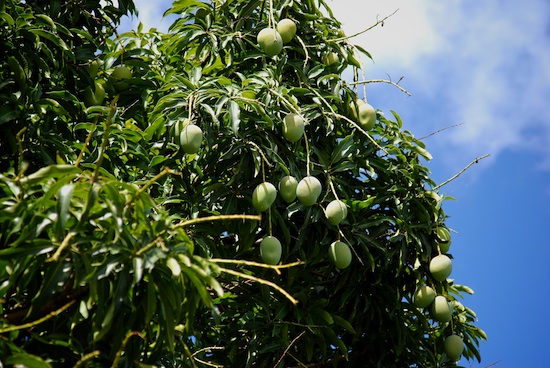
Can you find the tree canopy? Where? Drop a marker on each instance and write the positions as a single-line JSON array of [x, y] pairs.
[[150, 214]]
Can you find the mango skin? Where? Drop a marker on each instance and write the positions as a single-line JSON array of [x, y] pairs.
[[444, 237], [442, 310], [441, 267], [366, 116], [423, 296], [336, 212], [287, 29], [454, 346], [263, 196], [270, 41], [287, 188], [271, 250], [293, 127], [191, 139], [340, 253], [308, 190]]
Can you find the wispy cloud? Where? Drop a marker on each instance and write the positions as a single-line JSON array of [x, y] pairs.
[[150, 15], [483, 63]]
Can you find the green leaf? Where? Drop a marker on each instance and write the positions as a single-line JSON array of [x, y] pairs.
[[7, 18], [234, 116], [58, 41], [18, 71], [50, 172], [27, 360], [343, 150], [343, 323], [63, 204]]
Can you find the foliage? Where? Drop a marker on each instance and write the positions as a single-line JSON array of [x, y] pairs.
[[118, 249]]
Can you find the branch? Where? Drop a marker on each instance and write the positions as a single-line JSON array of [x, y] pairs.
[[440, 130], [261, 281], [460, 172], [87, 357], [64, 244], [217, 218], [288, 348], [257, 264], [381, 81], [38, 321], [381, 21], [105, 139]]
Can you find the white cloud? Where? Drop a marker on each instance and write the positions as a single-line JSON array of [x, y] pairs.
[[150, 14], [483, 63]]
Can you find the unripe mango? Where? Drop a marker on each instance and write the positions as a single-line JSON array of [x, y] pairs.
[[442, 310], [263, 196], [441, 267], [121, 72], [340, 253], [293, 127], [287, 29], [336, 212], [423, 296], [287, 188], [271, 250], [366, 116], [270, 41], [191, 138], [454, 346], [308, 190], [444, 237]]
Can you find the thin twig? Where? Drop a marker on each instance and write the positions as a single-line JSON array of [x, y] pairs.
[[86, 142], [440, 130], [150, 182], [217, 218], [119, 352], [362, 131], [20, 148], [87, 357], [460, 172], [207, 349], [261, 281], [105, 138], [288, 348], [264, 158], [64, 244], [381, 81], [38, 321], [365, 30], [256, 264]]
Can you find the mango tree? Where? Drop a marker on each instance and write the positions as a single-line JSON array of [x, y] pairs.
[[218, 195]]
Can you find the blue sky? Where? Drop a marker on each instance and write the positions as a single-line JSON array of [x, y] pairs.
[[485, 64]]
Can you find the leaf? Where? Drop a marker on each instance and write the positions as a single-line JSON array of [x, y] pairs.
[[343, 323], [49, 172], [27, 360], [234, 116], [63, 204], [343, 150], [422, 152], [18, 71], [58, 41], [7, 18], [336, 341]]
